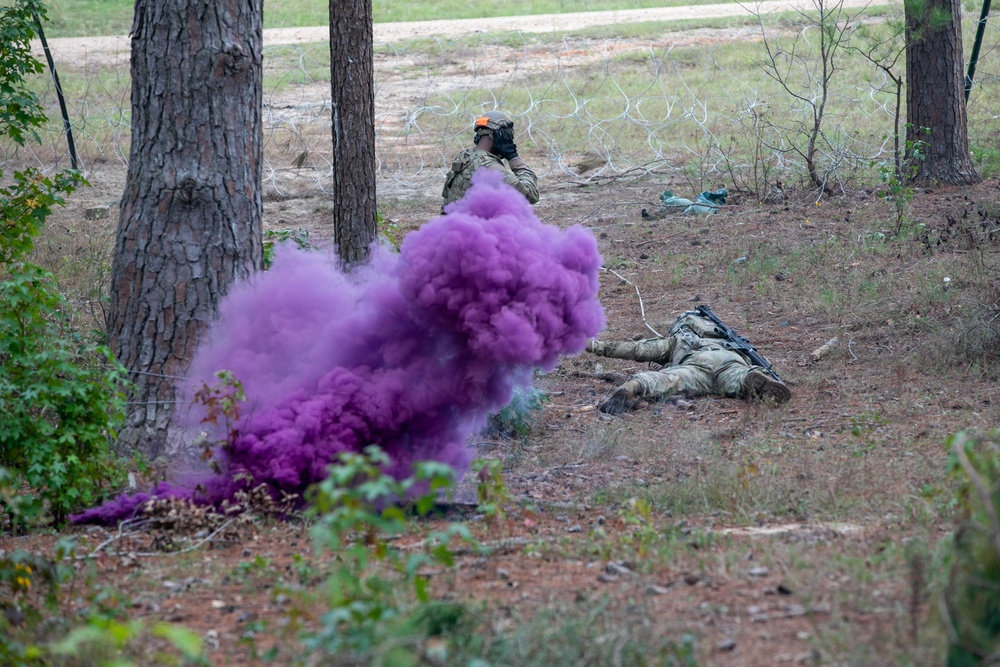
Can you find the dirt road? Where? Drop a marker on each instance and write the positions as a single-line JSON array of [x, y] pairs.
[[77, 50]]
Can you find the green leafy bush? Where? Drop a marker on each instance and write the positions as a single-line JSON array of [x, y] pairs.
[[29, 589], [516, 418], [272, 238], [60, 395], [60, 399], [972, 595], [20, 112], [380, 610]]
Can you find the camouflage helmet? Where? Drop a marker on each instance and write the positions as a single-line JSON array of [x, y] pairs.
[[490, 121]]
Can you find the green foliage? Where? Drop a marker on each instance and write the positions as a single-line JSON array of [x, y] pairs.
[[34, 630], [273, 237], [926, 17], [20, 112], [221, 403], [388, 231], [60, 399], [973, 592], [379, 604], [516, 418], [60, 395], [491, 491], [26, 204], [897, 178]]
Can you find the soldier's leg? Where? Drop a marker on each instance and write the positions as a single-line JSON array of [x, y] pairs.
[[658, 385], [729, 370], [736, 378], [759, 385], [649, 384], [692, 378], [621, 400]]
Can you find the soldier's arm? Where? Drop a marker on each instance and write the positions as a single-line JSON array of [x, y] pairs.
[[652, 349], [523, 179]]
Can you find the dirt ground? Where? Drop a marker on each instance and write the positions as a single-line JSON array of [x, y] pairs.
[[804, 534], [789, 525]]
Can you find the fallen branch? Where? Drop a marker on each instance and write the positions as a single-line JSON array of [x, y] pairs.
[[145, 554], [823, 349]]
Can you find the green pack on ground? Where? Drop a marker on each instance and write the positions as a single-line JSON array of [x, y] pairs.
[[707, 203]]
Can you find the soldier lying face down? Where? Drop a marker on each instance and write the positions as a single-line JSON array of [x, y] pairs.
[[699, 355]]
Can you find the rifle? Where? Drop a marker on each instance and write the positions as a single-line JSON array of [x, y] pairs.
[[738, 342]]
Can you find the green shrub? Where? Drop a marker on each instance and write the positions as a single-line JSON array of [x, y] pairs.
[[973, 592], [60, 395], [274, 237], [379, 607], [516, 418], [20, 112], [60, 398]]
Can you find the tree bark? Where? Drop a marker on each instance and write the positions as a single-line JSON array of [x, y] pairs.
[[935, 92], [190, 222], [352, 83]]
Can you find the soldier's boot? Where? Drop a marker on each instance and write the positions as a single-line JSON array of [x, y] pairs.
[[623, 399], [760, 386]]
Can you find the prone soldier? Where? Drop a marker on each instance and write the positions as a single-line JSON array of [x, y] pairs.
[[699, 355]]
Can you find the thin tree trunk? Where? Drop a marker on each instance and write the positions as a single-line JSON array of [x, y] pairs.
[[352, 83], [935, 93], [191, 213]]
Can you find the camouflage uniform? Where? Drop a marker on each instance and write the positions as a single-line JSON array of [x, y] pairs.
[[695, 361], [520, 175]]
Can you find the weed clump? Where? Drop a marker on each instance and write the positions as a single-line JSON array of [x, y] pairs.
[[516, 418], [972, 596]]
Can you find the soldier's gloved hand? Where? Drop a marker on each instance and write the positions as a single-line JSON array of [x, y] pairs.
[[503, 141]]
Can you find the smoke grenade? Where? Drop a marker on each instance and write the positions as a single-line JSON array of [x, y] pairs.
[[411, 353]]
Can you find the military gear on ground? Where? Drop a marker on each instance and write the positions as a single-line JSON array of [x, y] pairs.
[[459, 178], [695, 360], [669, 202], [707, 203], [490, 122], [736, 341], [503, 143]]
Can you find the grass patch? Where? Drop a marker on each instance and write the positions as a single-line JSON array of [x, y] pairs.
[[80, 18], [704, 113]]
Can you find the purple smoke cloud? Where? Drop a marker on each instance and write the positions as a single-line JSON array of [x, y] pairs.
[[411, 352]]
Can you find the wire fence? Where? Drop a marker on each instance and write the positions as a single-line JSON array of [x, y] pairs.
[[693, 106]]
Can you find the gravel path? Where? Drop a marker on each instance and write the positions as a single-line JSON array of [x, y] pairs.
[[79, 49]]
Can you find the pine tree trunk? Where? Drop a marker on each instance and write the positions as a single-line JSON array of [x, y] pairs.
[[191, 213], [352, 84], [935, 93]]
